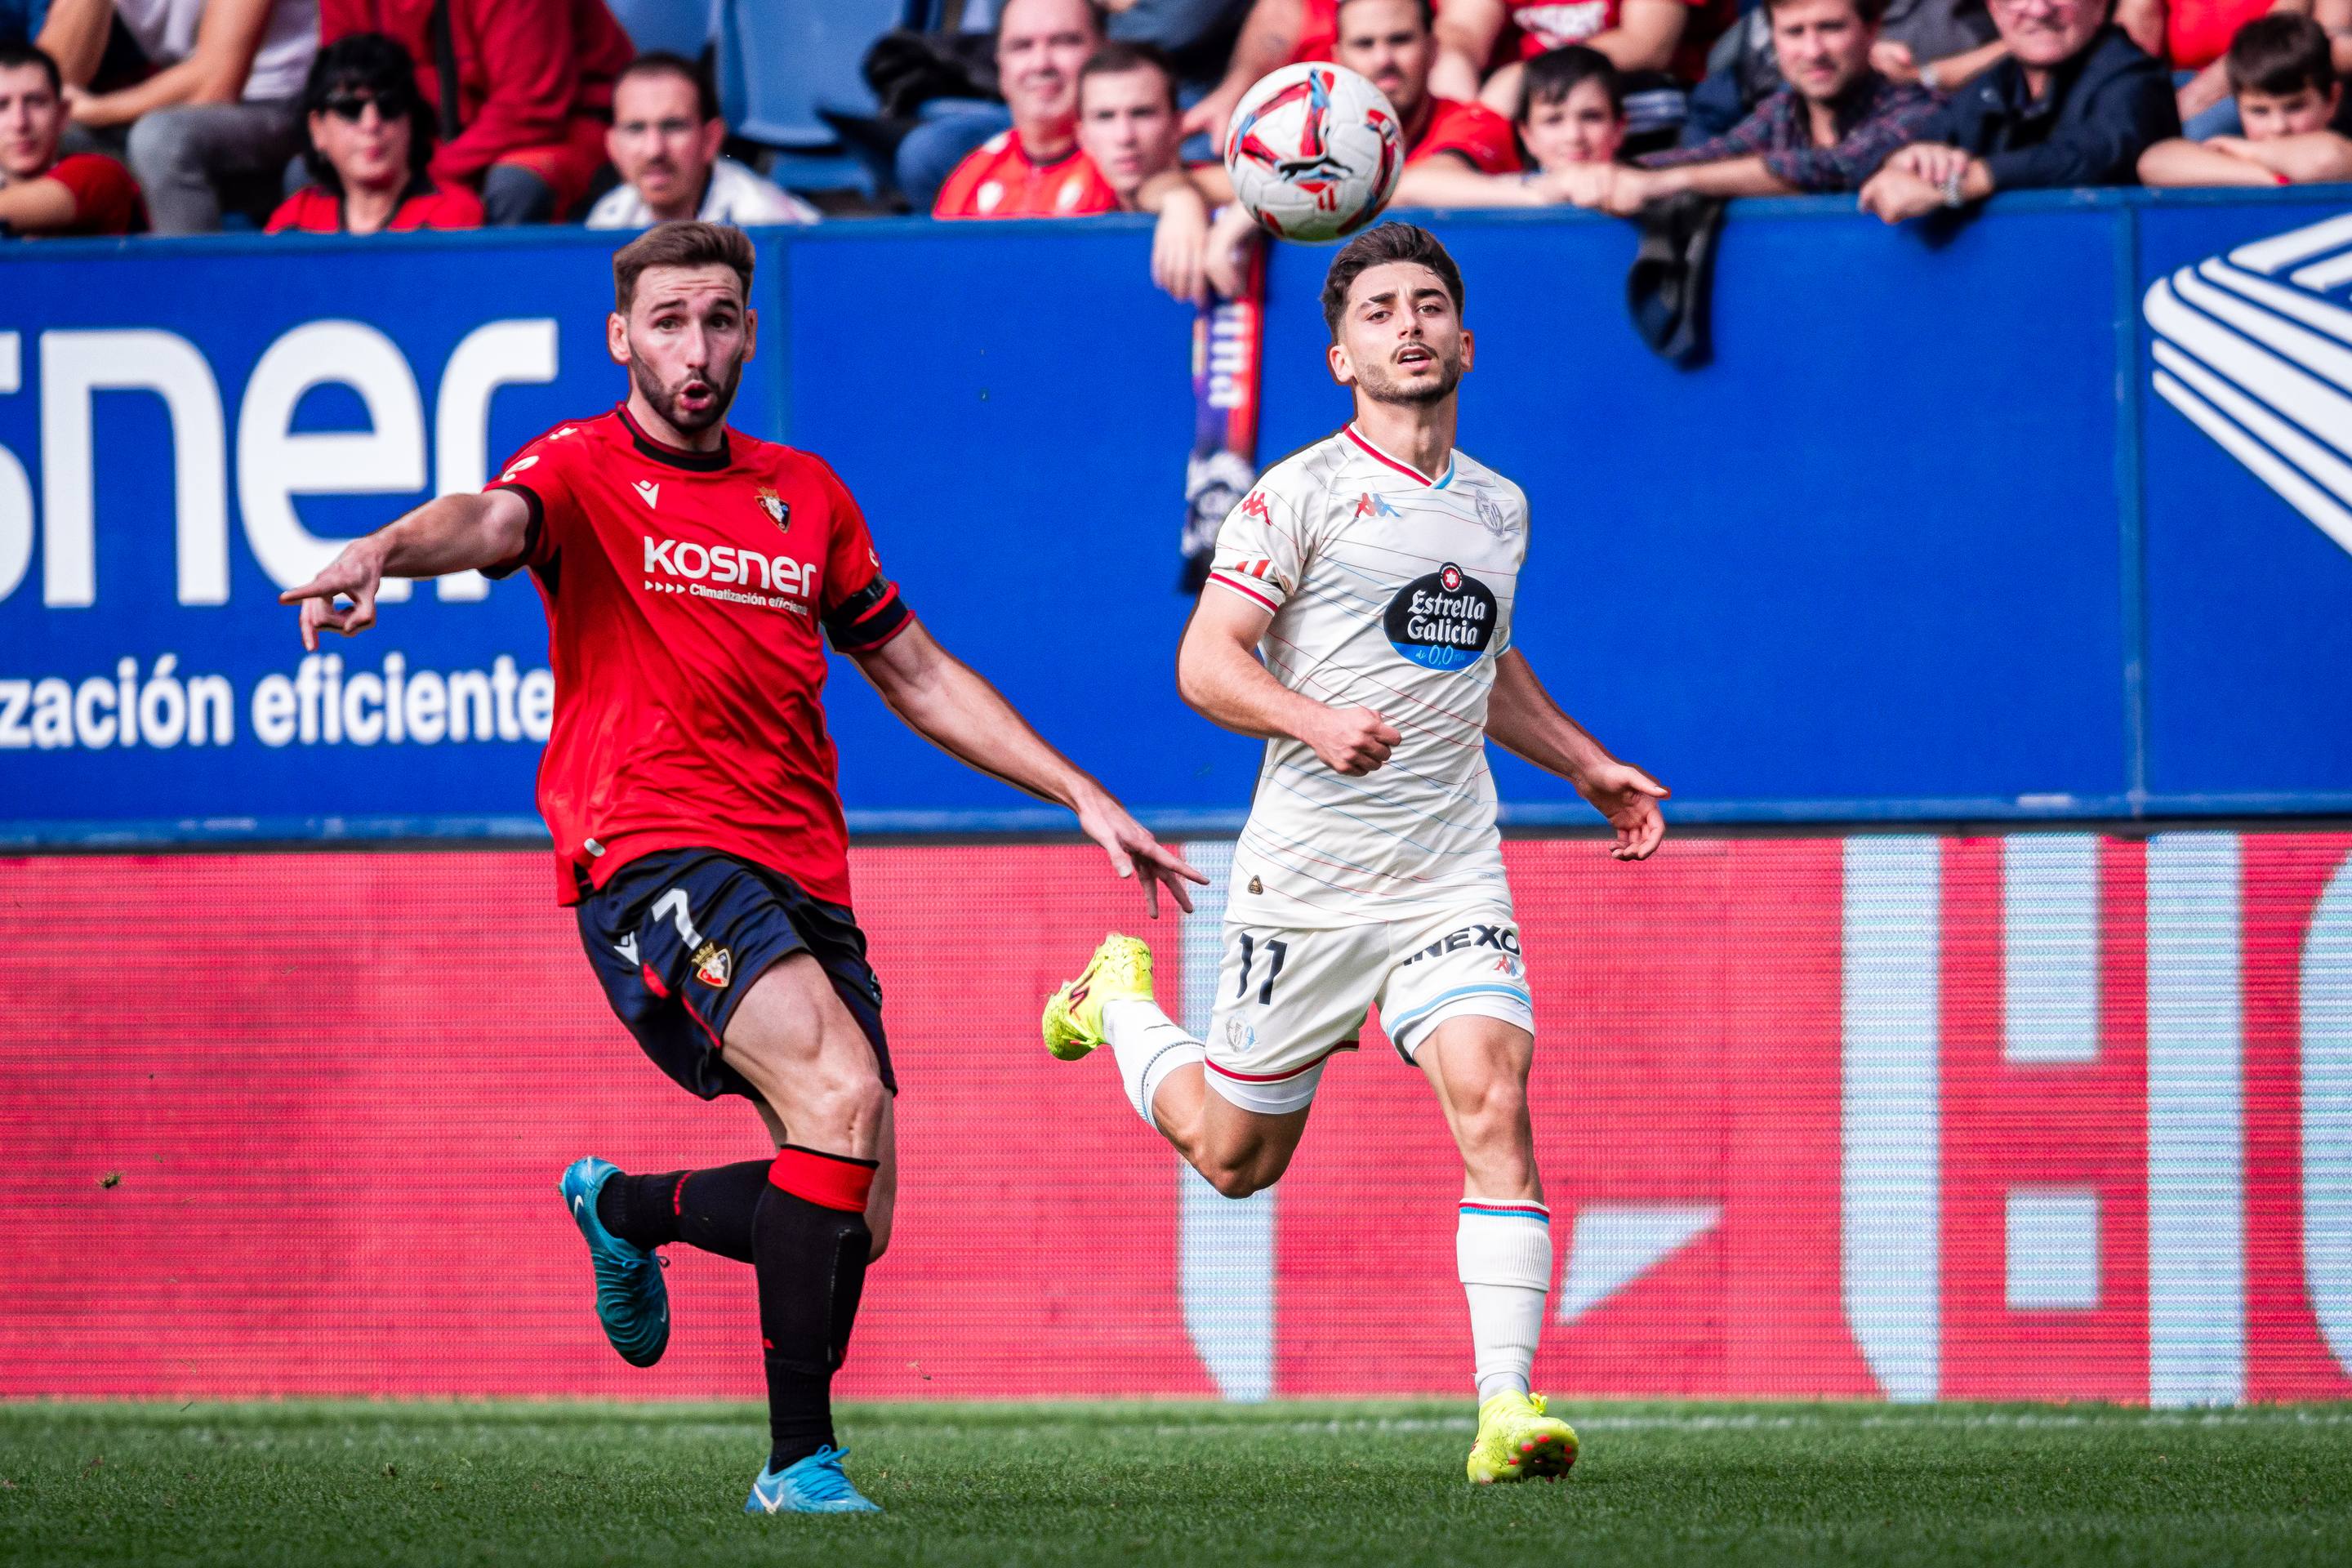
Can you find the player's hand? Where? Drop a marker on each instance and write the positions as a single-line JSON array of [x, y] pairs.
[[353, 575], [1132, 849], [1351, 741], [1629, 798]]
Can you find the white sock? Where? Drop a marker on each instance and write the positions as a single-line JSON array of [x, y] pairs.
[[1148, 1046], [1503, 1252]]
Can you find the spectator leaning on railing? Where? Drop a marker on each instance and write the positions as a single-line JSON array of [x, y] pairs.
[[1036, 169], [2287, 94], [665, 141], [2076, 103], [1828, 130], [1570, 119], [41, 193], [1128, 127], [529, 91], [370, 141], [216, 122]]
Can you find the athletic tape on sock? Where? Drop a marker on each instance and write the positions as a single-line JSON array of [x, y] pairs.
[[1148, 1046], [829, 1180]]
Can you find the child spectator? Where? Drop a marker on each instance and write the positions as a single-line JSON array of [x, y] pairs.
[[665, 141], [535, 88], [1572, 122], [2287, 94], [371, 144], [39, 192], [216, 122]]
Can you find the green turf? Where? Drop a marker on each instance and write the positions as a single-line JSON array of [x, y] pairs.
[[1135, 1484]]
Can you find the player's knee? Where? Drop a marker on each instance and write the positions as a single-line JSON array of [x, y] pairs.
[[1493, 1110], [845, 1096]]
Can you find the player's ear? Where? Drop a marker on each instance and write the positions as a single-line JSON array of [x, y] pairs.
[[1341, 371], [616, 337], [1469, 349], [751, 331]]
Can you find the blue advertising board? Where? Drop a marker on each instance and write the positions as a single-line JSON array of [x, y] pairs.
[[2051, 519]]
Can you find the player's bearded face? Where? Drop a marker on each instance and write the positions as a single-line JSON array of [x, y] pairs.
[[1408, 350], [687, 354]]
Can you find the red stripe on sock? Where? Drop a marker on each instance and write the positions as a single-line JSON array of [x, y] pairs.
[[828, 1181]]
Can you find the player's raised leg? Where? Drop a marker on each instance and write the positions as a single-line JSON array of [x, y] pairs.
[[812, 1065], [1478, 1065], [1238, 1149]]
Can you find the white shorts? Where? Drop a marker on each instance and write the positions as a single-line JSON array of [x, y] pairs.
[[1287, 999]]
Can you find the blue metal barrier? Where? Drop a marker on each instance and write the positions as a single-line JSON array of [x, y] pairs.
[[1945, 531]]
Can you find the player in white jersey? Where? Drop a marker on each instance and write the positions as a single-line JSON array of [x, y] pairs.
[[1375, 575]]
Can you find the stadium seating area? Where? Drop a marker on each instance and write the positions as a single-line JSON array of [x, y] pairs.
[[223, 111]]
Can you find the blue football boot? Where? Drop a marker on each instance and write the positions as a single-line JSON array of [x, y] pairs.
[[631, 1299], [813, 1485]]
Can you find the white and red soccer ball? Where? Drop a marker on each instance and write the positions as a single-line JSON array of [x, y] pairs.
[[1314, 151]]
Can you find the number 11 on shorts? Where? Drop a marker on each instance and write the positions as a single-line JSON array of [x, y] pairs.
[[1276, 950]]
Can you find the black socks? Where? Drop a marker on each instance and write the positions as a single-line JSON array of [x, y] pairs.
[[810, 1261], [710, 1209]]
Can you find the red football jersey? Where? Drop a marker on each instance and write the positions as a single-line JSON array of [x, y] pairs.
[[314, 209], [106, 198], [996, 179], [1469, 130], [689, 598]]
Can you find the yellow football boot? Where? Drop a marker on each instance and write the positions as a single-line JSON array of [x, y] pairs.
[[1120, 969], [1516, 1440]]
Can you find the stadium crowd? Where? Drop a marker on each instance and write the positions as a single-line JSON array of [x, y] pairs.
[[360, 116]]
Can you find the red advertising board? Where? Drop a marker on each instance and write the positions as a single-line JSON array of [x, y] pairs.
[[2036, 1116]]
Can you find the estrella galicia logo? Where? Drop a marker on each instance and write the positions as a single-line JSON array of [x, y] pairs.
[[1443, 621]]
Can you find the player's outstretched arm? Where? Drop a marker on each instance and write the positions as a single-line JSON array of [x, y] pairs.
[[1218, 672], [948, 703], [454, 533], [1523, 719]]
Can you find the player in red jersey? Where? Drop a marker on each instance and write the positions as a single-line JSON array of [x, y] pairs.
[[692, 576]]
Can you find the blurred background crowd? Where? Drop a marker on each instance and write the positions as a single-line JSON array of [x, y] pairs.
[[366, 116]]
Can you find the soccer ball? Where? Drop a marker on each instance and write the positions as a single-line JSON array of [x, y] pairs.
[[1314, 151]]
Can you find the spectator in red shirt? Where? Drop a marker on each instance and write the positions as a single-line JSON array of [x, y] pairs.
[[1570, 121], [1036, 169], [1638, 36], [534, 90], [1128, 127], [39, 192], [370, 145]]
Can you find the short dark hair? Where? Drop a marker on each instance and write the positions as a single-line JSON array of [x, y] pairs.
[[2279, 53], [13, 55], [1118, 59], [1376, 248], [662, 62], [1551, 76], [1872, 12], [687, 242], [370, 63], [1427, 8]]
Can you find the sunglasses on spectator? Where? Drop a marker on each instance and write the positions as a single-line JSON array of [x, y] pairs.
[[352, 107]]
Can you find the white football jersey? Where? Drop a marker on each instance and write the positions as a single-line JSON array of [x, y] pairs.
[[1390, 590]]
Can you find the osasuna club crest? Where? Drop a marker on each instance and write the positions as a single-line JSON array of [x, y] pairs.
[[713, 965], [779, 510]]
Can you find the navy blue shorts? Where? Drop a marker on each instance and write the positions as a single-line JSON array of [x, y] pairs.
[[677, 938]]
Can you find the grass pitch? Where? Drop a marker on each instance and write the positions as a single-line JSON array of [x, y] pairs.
[[1130, 1484]]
